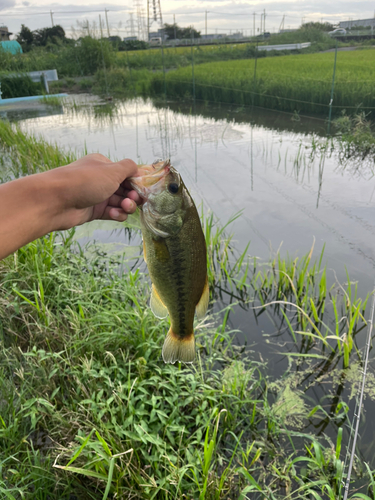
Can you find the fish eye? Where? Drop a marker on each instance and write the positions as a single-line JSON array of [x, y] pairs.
[[173, 188]]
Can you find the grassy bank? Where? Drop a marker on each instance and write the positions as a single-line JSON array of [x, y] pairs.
[[301, 83], [89, 411]]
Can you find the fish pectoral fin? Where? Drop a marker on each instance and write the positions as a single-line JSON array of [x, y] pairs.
[[157, 305], [144, 251], [178, 349], [202, 305]]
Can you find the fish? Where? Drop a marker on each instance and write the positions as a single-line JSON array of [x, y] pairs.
[[174, 248]]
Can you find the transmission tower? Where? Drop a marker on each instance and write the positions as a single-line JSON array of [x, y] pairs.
[[131, 22], [141, 25], [154, 15], [282, 23]]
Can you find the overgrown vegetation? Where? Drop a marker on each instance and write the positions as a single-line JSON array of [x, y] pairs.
[[19, 86], [89, 410], [357, 136]]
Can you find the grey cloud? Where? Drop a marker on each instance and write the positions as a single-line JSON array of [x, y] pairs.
[[7, 4], [239, 15]]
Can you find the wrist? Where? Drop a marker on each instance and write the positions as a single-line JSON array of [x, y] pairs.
[[42, 193], [53, 194]]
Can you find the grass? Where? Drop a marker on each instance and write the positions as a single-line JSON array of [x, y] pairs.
[[19, 87], [301, 83], [88, 410]]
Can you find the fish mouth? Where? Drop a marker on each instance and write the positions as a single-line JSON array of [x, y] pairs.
[[151, 183]]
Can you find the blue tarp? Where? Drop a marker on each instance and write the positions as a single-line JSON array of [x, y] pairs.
[[11, 46]]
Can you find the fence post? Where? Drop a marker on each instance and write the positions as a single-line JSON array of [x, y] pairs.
[[192, 67], [162, 58], [255, 70], [332, 89]]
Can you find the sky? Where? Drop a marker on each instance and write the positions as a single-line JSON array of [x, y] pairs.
[[223, 16]]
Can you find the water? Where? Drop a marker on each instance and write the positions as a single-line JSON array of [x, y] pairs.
[[236, 160], [232, 160]]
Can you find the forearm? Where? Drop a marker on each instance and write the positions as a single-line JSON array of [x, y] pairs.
[[28, 210]]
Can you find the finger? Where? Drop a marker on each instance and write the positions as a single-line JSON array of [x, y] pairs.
[[124, 169], [112, 213], [129, 206], [133, 195], [115, 200]]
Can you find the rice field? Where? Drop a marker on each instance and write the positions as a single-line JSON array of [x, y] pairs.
[[300, 83], [181, 56]]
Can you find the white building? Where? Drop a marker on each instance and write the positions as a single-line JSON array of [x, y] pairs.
[[368, 23]]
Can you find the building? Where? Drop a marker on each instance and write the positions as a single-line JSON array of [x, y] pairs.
[[130, 39], [4, 34], [157, 34], [235, 36], [366, 23], [215, 36]]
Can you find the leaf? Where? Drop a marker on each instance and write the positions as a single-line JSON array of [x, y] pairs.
[[85, 472]]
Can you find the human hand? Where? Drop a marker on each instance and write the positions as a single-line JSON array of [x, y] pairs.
[[93, 187]]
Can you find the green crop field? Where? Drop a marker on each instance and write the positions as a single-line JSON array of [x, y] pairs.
[[181, 56], [300, 83]]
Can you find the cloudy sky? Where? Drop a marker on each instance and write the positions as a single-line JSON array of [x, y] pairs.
[[223, 15]]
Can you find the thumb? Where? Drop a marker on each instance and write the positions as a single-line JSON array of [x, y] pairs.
[[124, 169]]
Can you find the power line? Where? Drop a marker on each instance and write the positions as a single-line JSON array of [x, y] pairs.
[[62, 12]]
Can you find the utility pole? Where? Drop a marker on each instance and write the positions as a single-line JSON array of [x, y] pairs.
[[52, 18], [206, 22], [100, 26], [106, 18], [148, 21], [264, 20], [174, 24], [253, 23]]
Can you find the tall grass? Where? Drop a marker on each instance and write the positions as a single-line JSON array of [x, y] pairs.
[[300, 83], [77, 59]]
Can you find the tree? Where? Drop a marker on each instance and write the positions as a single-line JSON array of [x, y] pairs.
[[173, 31], [44, 36], [25, 38], [317, 26]]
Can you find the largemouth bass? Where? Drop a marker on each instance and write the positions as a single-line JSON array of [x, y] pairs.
[[174, 248]]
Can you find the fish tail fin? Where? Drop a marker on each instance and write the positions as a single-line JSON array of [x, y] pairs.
[[176, 348]]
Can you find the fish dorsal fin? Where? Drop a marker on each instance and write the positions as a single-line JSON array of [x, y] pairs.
[[156, 304], [202, 305]]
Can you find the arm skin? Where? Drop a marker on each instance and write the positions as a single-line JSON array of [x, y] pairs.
[[91, 188]]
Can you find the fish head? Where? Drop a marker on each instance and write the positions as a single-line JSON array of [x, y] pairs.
[[165, 196]]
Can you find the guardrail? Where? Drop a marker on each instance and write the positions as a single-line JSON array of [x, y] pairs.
[[285, 46], [45, 76]]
